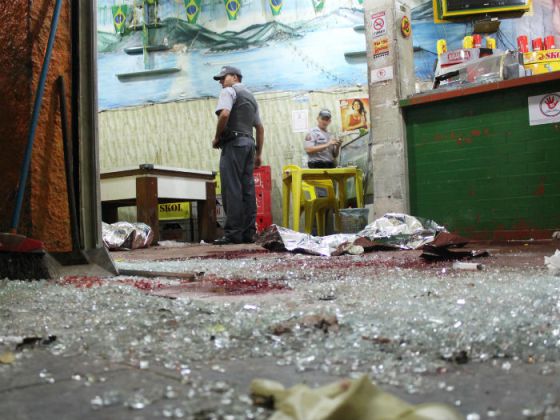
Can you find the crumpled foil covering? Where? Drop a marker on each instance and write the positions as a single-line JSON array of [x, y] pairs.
[[278, 238], [402, 230], [394, 229], [125, 235]]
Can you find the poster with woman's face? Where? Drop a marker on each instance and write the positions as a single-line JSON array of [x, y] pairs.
[[354, 114]]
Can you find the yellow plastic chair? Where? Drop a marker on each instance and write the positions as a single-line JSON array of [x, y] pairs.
[[317, 198]]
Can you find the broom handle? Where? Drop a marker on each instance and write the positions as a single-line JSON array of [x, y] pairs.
[[35, 119]]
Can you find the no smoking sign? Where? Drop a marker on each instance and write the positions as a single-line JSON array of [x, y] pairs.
[[378, 24]]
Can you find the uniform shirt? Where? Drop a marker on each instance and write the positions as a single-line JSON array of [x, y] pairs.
[[227, 99], [318, 137]]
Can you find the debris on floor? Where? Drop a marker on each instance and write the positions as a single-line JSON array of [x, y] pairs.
[[7, 358], [440, 248], [357, 399], [402, 230], [394, 230], [31, 342], [325, 323], [553, 263], [277, 238], [467, 266], [475, 340], [125, 235]]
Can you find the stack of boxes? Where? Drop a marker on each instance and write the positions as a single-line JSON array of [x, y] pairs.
[[263, 188]]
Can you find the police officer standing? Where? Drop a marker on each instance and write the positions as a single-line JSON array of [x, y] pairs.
[[238, 113]]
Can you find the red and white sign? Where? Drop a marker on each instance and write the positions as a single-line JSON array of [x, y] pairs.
[[452, 58], [378, 24], [544, 109], [382, 74]]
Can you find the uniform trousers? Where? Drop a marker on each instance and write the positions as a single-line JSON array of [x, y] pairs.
[[237, 162]]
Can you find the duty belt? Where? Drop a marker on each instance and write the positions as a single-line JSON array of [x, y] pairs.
[[241, 134]]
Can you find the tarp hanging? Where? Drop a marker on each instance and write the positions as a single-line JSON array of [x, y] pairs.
[[119, 18], [232, 8], [276, 6], [193, 9]]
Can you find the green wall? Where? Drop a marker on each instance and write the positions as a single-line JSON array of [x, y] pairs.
[[479, 168]]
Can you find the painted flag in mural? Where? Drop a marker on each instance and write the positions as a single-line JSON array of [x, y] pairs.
[[318, 5], [275, 6], [119, 18], [232, 8], [192, 8]]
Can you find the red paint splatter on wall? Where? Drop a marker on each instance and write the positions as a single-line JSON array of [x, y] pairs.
[[539, 191]]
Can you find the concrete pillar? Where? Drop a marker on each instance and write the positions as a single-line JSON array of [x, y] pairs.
[[391, 77], [85, 90]]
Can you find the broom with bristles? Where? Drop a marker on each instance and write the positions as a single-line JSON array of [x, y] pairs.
[[22, 257]]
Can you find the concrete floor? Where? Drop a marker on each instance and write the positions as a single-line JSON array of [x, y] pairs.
[[147, 381]]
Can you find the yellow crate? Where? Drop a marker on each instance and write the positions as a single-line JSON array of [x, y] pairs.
[[174, 211]]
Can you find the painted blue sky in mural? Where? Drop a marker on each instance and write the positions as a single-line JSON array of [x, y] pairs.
[[298, 50]]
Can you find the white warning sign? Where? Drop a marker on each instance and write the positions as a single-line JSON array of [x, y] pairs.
[[378, 24], [382, 74]]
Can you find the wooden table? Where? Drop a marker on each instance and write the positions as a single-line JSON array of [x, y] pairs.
[[148, 185], [291, 185]]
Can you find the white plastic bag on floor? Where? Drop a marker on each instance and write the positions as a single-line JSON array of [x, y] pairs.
[[358, 399]]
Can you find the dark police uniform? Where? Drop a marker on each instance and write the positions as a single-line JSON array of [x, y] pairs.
[[237, 162]]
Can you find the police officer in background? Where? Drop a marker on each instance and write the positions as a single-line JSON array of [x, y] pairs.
[[238, 113], [321, 147]]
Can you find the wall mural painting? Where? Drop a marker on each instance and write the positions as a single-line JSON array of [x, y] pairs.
[[164, 50]]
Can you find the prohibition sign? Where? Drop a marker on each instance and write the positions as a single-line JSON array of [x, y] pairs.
[[378, 24]]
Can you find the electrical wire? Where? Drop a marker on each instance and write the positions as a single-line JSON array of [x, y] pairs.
[[503, 38]]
